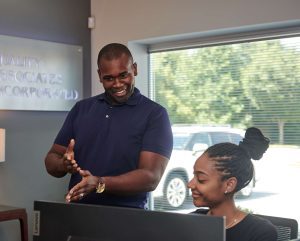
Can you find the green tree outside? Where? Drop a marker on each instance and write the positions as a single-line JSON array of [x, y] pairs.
[[239, 84]]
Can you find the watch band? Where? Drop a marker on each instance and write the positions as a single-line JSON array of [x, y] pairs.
[[101, 186]]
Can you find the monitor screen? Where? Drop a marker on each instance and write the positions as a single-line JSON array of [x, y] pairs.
[[55, 221]]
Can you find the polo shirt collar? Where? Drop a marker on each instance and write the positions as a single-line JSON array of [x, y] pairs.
[[133, 99]]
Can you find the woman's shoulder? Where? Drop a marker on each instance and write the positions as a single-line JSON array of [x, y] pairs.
[[259, 221], [261, 227], [252, 228]]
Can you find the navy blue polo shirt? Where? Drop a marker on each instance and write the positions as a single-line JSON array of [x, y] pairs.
[[109, 139]]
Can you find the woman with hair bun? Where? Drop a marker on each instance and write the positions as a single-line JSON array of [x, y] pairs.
[[221, 171]]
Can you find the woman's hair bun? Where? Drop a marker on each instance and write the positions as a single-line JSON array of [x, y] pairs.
[[254, 143]]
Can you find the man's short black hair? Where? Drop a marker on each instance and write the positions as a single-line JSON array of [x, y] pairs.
[[113, 51]]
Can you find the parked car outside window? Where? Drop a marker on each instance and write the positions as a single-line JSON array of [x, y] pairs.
[[189, 142]]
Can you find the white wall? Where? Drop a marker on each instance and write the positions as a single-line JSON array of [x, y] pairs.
[[145, 21]]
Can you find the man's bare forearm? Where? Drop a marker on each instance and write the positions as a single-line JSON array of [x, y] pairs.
[[54, 165]]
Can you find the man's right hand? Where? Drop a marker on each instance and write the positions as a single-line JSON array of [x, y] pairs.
[[69, 163], [60, 160]]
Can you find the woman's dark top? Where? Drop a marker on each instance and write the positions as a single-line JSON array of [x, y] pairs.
[[251, 228]]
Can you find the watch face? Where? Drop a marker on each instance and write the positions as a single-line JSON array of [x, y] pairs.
[[100, 188]]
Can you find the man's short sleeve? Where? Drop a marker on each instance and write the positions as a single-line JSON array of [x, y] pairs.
[[158, 137], [66, 132]]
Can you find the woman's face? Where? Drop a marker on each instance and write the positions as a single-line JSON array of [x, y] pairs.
[[206, 185]]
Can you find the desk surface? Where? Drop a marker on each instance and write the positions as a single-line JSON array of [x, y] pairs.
[[4, 208], [9, 212]]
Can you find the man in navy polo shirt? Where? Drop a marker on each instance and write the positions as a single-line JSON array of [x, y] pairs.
[[116, 145]]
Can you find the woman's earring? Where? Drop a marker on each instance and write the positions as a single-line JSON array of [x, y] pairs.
[[225, 192]]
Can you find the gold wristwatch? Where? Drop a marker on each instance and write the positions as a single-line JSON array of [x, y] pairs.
[[101, 186]]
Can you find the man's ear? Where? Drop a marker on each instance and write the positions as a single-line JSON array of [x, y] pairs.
[[230, 185], [99, 74], [135, 72]]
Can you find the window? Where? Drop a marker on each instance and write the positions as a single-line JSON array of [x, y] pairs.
[[199, 138], [235, 138], [234, 86], [219, 137]]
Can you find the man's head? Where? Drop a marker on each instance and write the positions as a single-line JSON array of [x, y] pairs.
[[116, 71]]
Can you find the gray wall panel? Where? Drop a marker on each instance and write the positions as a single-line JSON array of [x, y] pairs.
[[29, 134]]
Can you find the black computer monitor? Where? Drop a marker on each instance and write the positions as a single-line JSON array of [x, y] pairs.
[[55, 221]]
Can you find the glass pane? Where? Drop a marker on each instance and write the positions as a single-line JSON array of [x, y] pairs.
[[39, 75], [219, 91]]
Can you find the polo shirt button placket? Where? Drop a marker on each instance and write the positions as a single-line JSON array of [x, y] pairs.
[[107, 115]]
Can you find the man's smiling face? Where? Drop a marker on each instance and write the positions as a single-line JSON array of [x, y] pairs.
[[117, 76]]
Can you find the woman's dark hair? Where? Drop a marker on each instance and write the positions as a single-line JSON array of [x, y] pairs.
[[235, 160]]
